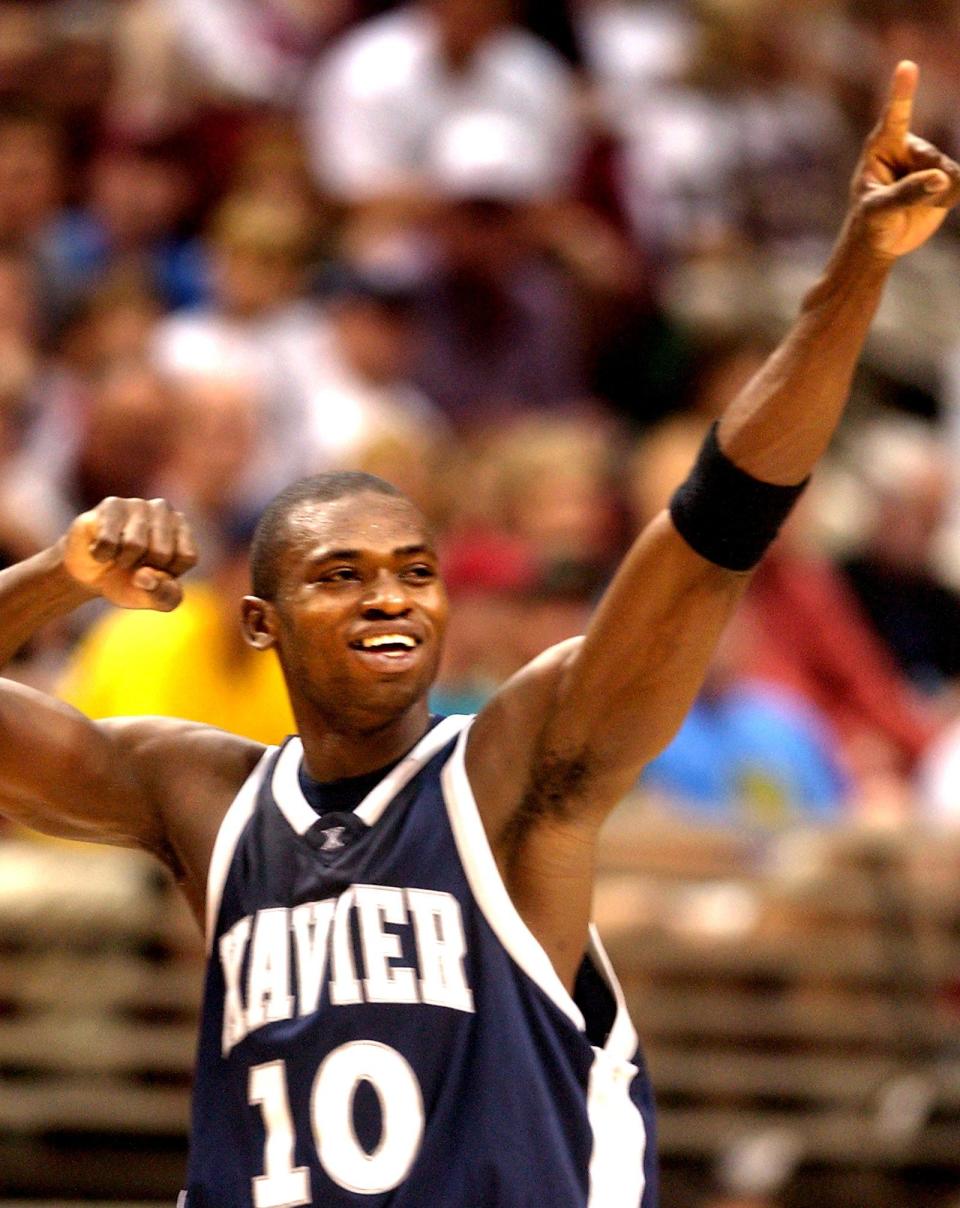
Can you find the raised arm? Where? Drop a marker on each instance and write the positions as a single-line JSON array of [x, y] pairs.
[[901, 192], [568, 736], [60, 772]]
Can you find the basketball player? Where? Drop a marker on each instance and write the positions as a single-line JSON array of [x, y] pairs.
[[405, 1003]]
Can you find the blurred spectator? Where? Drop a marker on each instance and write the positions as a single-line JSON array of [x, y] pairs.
[[137, 199], [501, 330], [119, 446], [21, 312], [893, 572], [360, 390], [111, 325], [558, 496], [382, 96], [482, 647], [257, 50], [153, 91], [808, 636], [113, 321], [213, 445], [750, 753], [504, 616], [271, 163], [176, 60], [813, 638], [31, 172], [746, 146], [631, 49], [257, 327], [665, 453], [17, 371], [192, 663], [543, 509], [527, 551]]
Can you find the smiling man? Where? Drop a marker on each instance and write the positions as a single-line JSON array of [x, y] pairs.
[[406, 1003]]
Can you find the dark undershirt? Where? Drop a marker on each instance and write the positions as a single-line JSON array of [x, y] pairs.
[[344, 795]]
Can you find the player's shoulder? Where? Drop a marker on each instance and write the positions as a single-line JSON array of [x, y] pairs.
[[504, 737], [191, 773], [535, 680], [170, 748]]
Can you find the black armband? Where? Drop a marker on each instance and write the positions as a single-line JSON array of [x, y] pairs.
[[725, 514]]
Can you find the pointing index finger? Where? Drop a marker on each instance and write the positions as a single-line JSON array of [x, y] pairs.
[[895, 123]]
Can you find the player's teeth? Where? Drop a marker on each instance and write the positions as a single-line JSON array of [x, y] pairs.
[[388, 639]]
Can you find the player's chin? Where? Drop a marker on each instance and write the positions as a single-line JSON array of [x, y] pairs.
[[380, 704], [395, 692]]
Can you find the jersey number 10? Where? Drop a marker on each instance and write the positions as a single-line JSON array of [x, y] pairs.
[[346, 1162]]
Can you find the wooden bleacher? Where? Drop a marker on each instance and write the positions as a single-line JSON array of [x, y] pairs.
[[805, 982]]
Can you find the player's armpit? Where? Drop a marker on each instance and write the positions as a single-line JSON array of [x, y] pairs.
[[571, 733], [506, 740], [643, 660]]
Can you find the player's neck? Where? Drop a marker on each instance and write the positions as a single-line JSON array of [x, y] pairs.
[[335, 752]]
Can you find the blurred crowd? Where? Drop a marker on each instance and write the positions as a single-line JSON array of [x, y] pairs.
[[514, 257]]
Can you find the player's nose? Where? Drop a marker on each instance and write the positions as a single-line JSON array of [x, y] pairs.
[[386, 596]]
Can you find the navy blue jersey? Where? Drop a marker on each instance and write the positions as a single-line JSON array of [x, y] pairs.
[[381, 1028]]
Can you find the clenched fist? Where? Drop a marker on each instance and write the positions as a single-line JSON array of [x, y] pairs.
[[131, 552]]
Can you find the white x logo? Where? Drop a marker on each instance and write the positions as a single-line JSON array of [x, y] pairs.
[[331, 838]]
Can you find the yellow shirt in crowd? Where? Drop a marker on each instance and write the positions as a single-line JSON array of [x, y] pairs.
[[184, 663]]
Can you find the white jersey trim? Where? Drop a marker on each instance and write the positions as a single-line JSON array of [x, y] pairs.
[[623, 1042], [619, 1136], [617, 1178], [488, 887], [300, 813], [228, 835]]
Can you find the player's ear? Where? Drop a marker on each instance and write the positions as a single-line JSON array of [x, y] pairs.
[[258, 619]]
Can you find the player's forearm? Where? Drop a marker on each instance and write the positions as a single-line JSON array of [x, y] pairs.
[[783, 420], [32, 593]]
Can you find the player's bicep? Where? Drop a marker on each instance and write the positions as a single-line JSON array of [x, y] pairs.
[[65, 775], [570, 733], [624, 692], [507, 735]]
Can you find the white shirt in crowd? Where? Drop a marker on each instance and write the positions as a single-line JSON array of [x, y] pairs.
[[317, 412], [381, 96], [269, 354], [347, 416], [257, 50]]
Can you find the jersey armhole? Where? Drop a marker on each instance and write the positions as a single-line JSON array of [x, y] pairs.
[[235, 819], [497, 906], [488, 888]]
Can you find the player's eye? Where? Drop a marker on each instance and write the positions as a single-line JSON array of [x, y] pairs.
[[420, 572], [339, 574]]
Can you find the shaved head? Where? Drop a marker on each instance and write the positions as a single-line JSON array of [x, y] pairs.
[[272, 534]]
